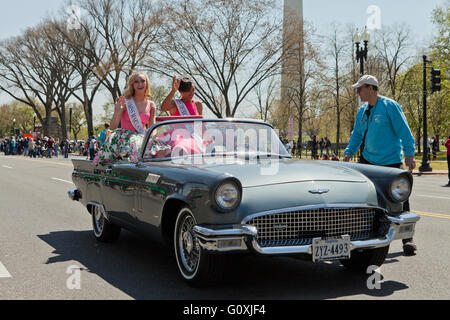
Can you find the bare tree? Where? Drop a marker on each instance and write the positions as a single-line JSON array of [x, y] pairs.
[[78, 119], [87, 52], [60, 58], [392, 47], [126, 31], [266, 95], [335, 83], [27, 75], [302, 66], [227, 46]]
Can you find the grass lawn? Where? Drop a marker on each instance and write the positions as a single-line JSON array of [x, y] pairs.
[[435, 165]]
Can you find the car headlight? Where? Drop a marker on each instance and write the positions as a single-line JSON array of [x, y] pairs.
[[227, 195], [400, 189]]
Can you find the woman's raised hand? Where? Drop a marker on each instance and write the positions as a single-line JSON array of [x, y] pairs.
[[120, 104], [175, 84]]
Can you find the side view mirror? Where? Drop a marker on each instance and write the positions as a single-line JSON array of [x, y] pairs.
[[125, 152]]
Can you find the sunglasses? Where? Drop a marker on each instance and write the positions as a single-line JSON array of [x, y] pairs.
[[359, 89]]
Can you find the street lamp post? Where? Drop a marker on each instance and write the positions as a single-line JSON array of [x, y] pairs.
[[425, 155], [361, 53], [34, 122], [70, 123]]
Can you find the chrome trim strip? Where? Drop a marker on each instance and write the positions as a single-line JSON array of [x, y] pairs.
[[238, 230], [403, 221], [209, 239]]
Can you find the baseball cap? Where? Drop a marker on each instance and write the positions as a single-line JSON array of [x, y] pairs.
[[366, 79]]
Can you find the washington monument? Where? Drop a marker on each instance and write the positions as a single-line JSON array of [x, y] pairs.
[[292, 66]]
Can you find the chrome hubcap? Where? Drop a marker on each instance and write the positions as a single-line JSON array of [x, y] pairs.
[[188, 246], [99, 219]]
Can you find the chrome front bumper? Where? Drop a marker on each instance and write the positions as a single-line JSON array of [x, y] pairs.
[[244, 238]]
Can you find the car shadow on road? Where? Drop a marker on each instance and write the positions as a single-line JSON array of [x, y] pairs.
[[144, 269]]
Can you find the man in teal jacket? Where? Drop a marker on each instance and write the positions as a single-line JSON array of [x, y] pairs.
[[382, 130]]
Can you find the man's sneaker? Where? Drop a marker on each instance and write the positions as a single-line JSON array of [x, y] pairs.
[[409, 249]]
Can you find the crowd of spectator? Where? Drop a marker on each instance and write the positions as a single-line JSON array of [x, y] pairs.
[[324, 145], [34, 148]]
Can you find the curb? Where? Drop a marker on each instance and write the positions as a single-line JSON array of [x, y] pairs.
[[437, 172]]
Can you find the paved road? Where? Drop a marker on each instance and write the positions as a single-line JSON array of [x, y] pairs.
[[43, 234]]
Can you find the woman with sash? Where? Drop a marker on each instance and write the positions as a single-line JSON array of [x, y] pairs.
[[186, 105], [134, 110]]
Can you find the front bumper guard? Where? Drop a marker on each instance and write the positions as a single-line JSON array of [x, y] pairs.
[[244, 238]]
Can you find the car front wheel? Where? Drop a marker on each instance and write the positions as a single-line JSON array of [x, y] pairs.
[[195, 266], [361, 260]]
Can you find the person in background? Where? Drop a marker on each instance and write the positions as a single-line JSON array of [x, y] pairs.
[[31, 152], [434, 147], [37, 148], [322, 146], [66, 148], [13, 146], [92, 147], [50, 146], [314, 147], [382, 130], [56, 147], [25, 146], [104, 134], [327, 145]]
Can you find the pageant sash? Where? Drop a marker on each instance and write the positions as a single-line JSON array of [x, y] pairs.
[[182, 108], [133, 113]]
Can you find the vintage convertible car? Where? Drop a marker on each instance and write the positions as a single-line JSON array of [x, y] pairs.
[[229, 186]]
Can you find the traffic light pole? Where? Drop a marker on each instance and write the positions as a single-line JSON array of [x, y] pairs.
[[425, 167]]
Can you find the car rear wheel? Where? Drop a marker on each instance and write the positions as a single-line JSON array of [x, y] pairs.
[[196, 267], [104, 231], [361, 260]]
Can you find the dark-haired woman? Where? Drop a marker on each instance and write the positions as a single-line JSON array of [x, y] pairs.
[[186, 105]]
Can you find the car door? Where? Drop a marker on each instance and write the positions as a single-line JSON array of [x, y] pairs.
[[153, 189], [120, 191]]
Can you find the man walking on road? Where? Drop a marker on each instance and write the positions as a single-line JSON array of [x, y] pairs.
[[381, 129]]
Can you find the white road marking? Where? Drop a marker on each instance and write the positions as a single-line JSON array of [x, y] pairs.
[[62, 180], [423, 195], [7, 167], [3, 272]]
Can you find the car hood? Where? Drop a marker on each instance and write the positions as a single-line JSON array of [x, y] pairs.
[[268, 172]]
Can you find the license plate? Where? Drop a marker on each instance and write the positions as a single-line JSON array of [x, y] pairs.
[[331, 248]]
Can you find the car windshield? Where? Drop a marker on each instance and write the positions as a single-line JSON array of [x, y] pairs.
[[213, 138]]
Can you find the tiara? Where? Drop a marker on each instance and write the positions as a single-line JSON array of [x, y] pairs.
[[186, 78]]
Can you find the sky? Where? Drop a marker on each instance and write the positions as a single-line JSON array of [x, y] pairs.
[[21, 14]]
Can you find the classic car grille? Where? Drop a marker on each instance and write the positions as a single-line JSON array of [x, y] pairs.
[[300, 227]]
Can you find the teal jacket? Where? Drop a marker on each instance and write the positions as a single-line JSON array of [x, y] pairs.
[[387, 132]]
